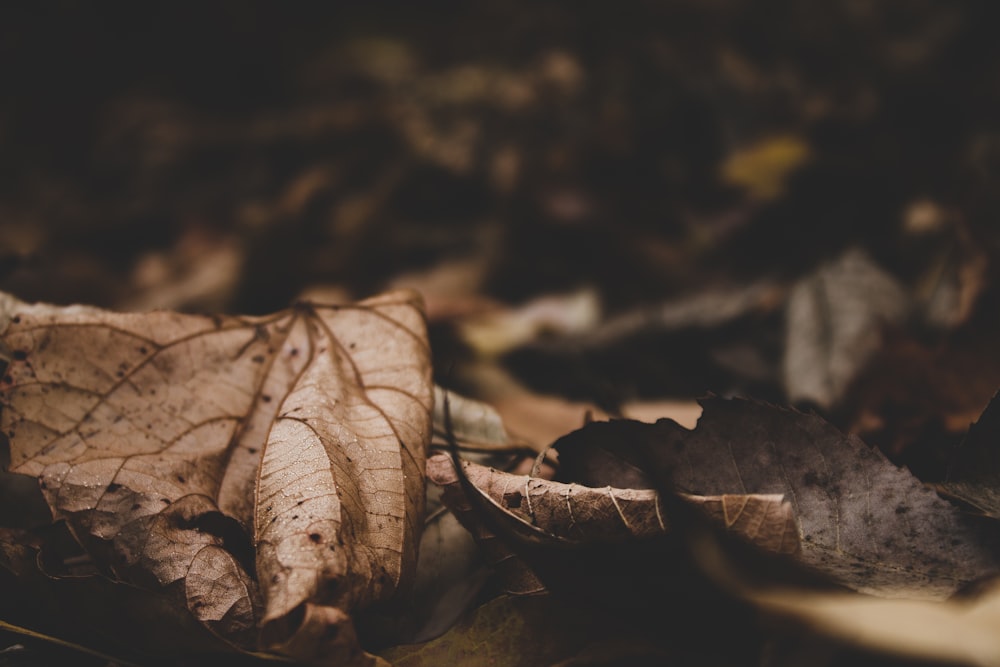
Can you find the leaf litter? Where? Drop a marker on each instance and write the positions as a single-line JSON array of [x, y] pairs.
[[682, 169], [266, 475]]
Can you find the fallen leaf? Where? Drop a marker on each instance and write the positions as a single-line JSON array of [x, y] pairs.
[[764, 167], [954, 632], [498, 331], [916, 398], [474, 424], [722, 337], [793, 602], [868, 524], [540, 630], [834, 326], [571, 514], [685, 413], [205, 454], [532, 418], [451, 573], [974, 474]]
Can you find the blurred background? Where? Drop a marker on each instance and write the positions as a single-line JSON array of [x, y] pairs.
[[614, 205]]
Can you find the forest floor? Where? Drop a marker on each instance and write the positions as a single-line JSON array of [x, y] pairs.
[[608, 213]]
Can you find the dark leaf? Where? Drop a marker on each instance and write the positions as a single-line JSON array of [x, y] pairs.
[[870, 525]]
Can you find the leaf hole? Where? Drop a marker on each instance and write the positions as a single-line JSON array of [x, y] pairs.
[[513, 500], [20, 355], [315, 537]]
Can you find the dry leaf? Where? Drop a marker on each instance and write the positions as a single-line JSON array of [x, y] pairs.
[[870, 525], [764, 167], [474, 424], [570, 514], [450, 574], [541, 630], [229, 459], [835, 321], [974, 475]]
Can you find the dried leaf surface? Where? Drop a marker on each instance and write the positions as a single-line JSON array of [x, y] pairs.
[[540, 630], [869, 524], [974, 475], [834, 326], [172, 443], [474, 424], [574, 514]]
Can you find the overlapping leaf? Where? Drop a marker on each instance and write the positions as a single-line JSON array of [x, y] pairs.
[[870, 525], [268, 470]]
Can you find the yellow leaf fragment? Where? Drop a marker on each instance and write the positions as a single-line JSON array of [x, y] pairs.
[[763, 168]]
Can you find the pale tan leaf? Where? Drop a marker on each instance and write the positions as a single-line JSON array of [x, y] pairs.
[[172, 444]]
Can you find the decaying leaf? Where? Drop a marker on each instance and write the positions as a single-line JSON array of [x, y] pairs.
[[540, 630], [954, 632], [450, 574], [266, 470], [974, 476], [571, 514], [763, 168], [865, 522], [476, 425], [961, 630], [835, 321]]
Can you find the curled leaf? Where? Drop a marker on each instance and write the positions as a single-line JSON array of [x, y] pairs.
[[267, 469], [571, 514], [870, 525]]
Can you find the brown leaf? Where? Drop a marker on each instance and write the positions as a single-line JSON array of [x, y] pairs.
[[175, 444], [572, 514], [834, 326], [541, 630], [870, 525], [974, 475], [450, 575]]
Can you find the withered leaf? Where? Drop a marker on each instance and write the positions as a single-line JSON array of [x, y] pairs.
[[870, 525], [450, 574], [960, 632], [230, 459], [974, 475], [476, 425], [571, 514], [834, 326], [540, 630]]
